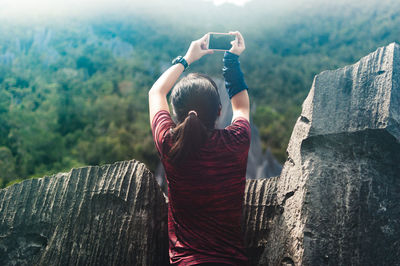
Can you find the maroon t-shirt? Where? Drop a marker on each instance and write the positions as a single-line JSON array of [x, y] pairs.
[[205, 196]]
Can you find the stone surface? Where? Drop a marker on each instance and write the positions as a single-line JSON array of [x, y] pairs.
[[109, 215], [337, 199]]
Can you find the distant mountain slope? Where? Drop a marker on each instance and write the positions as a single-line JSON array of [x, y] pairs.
[[73, 91]]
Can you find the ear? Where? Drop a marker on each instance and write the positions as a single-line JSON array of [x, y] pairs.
[[219, 110]]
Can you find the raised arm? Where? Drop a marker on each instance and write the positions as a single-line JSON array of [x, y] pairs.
[[241, 105], [234, 80], [159, 90]]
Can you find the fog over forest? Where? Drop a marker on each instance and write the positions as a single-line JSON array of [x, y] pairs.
[[74, 75]]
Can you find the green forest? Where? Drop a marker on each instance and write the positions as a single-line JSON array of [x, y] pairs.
[[73, 92]]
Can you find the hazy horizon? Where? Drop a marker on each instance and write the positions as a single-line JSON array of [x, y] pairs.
[[74, 75], [27, 10]]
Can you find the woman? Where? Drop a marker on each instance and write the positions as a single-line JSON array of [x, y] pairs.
[[205, 167]]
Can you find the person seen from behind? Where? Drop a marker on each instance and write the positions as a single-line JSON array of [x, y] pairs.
[[205, 167]]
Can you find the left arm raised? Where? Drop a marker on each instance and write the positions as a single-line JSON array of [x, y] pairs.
[[158, 92]]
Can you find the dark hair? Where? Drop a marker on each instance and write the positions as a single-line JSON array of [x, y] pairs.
[[199, 93]]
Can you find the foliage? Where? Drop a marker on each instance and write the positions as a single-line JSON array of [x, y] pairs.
[[76, 94]]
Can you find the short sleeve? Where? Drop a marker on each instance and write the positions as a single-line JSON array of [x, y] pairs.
[[160, 127], [239, 134]]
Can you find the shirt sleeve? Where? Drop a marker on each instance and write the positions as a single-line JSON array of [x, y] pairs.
[[160, 127], [239, 134], [233, 75]]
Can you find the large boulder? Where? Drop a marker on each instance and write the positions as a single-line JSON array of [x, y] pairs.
[[337, 199], [109, 215]]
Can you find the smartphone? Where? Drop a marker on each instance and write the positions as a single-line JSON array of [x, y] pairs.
[[220, 41]]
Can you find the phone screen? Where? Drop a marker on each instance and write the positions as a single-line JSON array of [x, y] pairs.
[[220, 41]]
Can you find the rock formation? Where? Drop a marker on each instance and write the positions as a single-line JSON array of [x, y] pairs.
[[337, 199], [335, 203], [109, 215]]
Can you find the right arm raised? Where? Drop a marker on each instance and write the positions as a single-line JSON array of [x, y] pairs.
[[241, 105], [234, 80]]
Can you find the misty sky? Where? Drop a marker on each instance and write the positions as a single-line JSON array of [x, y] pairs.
[[37, 8], [235, 2]]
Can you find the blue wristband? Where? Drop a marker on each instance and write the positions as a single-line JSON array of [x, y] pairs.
[[234, 79]]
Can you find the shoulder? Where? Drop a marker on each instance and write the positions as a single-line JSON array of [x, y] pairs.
[[160, 118], [238, 134], [160, 127], [239, 126]]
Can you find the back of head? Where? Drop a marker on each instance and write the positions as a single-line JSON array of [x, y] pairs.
[[198, 93]]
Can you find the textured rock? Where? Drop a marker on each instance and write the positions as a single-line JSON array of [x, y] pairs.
[[337, 199], [109, 215], [260, 213]]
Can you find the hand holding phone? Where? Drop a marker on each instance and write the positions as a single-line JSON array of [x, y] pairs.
[[232, 42], [220, 41], [238, 45], [197, 49]]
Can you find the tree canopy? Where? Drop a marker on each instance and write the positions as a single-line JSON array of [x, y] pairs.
[[74, 94]]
